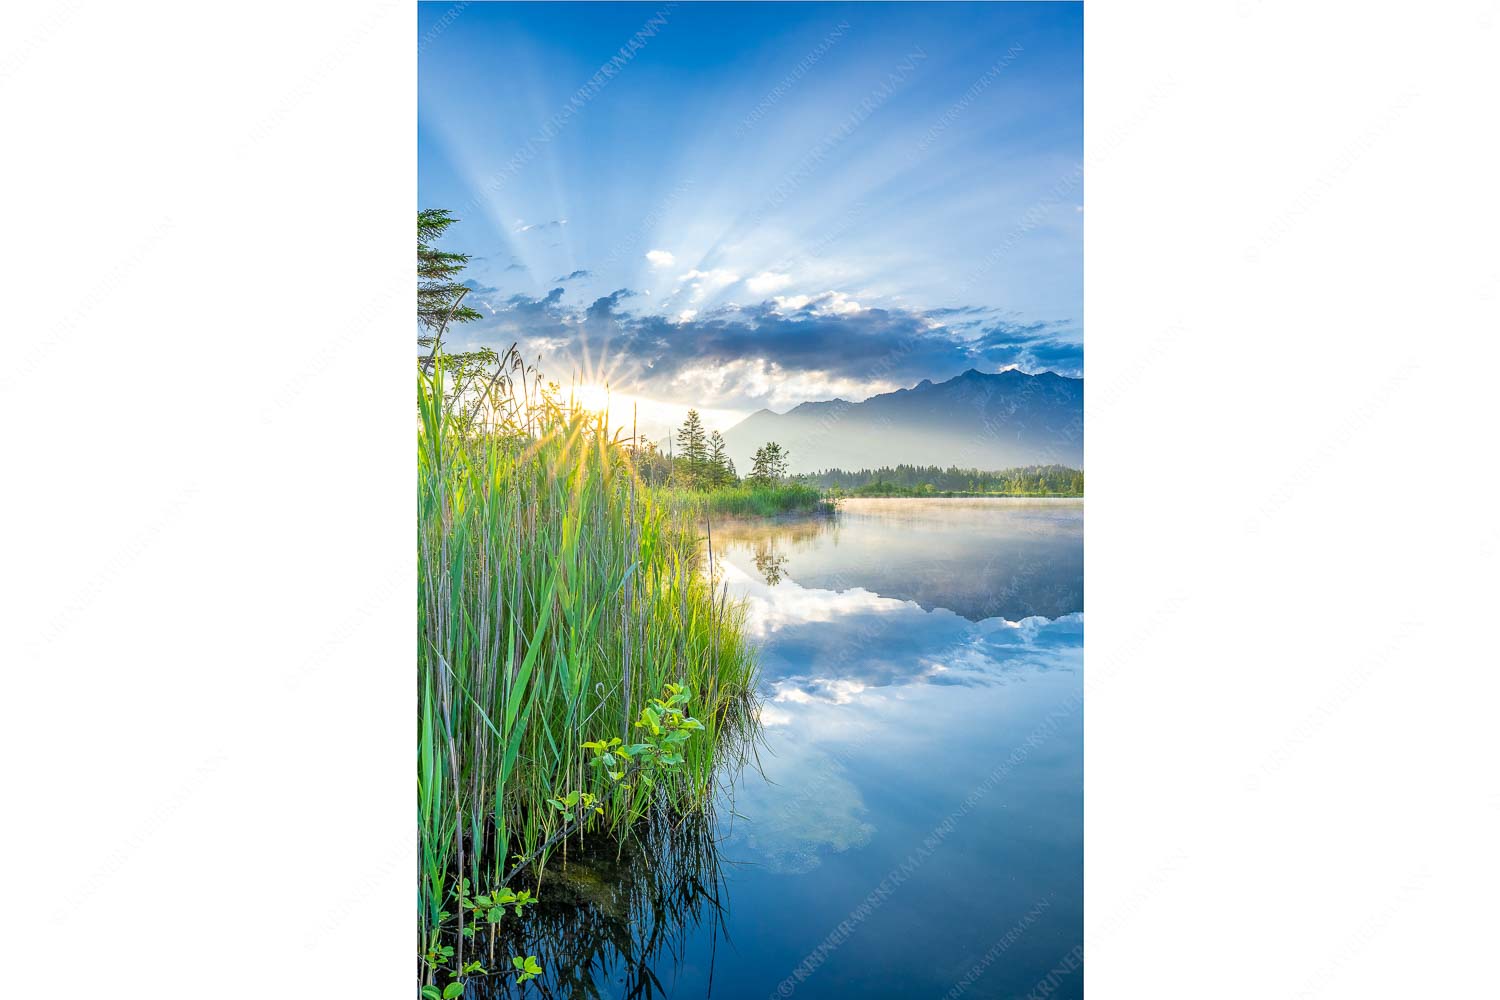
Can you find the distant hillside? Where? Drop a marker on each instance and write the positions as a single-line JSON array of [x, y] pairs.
[[975, 420]]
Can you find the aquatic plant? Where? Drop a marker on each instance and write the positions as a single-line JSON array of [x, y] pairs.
[[558, 602], [526, 968]]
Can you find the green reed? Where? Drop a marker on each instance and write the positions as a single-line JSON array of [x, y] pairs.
[[556, 597], [749, 499]]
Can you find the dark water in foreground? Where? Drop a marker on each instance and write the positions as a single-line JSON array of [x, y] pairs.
[[919, 831]]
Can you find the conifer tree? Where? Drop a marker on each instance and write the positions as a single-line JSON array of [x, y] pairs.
[[770, 463], [691, 439], [437, 291], [720, 468]]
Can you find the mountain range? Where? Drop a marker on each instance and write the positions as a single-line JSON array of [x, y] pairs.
[[980, 420]]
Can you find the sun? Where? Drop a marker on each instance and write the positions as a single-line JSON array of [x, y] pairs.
[[648, 417]]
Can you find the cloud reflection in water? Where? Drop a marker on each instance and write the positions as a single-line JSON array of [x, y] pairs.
[[856, 684]]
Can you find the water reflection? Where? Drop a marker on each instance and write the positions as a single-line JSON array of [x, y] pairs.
[[918, 820], [769, 563], [834, 644], [979, 558], [924, 767], [615, 920]]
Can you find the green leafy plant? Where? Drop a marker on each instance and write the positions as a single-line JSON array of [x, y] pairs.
[[668, 725], [609, 757], [489, 907], [437, 954], [526, 968], [585, 803]]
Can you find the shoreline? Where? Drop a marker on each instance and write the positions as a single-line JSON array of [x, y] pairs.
[[954, 495]]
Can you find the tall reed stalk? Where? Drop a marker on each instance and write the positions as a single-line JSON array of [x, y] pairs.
[[554, 599]]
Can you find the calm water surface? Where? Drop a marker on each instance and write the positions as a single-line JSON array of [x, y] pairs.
[[919, 828]]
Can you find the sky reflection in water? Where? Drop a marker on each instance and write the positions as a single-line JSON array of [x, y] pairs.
[[913, 739], [919, 829]]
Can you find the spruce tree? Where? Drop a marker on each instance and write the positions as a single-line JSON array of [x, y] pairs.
[[720, 468], [770, 463], [691, 440], [437, 291]]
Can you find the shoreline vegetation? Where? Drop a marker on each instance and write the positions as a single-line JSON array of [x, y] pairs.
[[888, 491], [750, 500], [578, 676], [934, 481], [700, 477]]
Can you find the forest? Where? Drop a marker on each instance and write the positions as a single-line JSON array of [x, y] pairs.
[[931, 480]]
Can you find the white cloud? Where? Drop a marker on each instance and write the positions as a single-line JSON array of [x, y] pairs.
[[829, 303], [839, 304], [767, 282], [661, 258], [686, 315], [707, 282], [770, 715], [756, 382]]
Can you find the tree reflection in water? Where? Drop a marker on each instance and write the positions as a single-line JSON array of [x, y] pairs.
[[772, 540], [769, 563]]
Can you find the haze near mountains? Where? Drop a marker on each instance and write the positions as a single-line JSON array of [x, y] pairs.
[[975, 420]]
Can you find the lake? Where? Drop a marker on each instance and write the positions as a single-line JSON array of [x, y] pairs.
[[911, 823]]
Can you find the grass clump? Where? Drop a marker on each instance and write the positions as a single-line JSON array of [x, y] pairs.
[[559, 604], [751, 499]]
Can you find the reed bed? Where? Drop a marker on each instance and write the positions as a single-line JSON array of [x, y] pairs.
[[556, 599], [749, 500]]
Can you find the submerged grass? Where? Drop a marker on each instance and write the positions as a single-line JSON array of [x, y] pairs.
[[556, 597]]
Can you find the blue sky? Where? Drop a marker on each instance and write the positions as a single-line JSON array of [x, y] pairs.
[[744, 205]]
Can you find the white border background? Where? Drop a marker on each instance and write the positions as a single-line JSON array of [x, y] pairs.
[[1291, 310]]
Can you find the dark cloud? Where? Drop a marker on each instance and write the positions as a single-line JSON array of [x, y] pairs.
[[515, 267], [575, 275], [602, 309], [526, 306], [1032, 348], [861, 345]]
